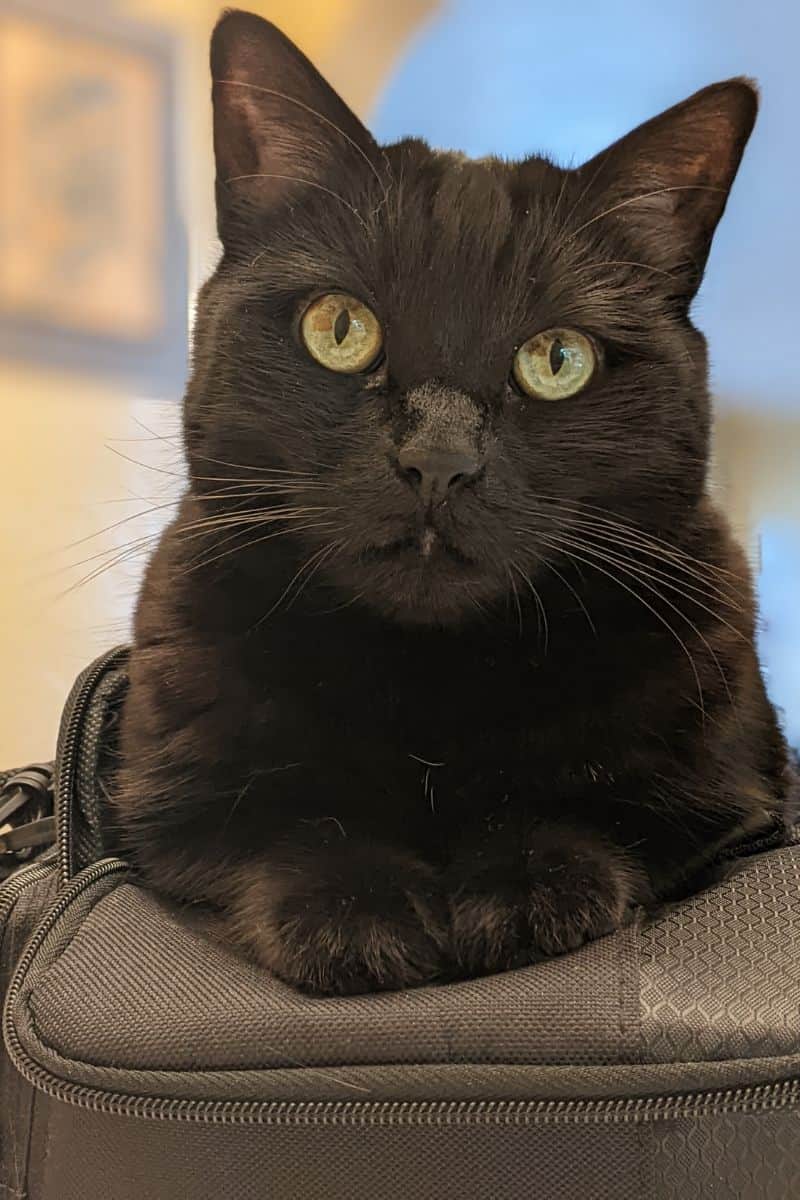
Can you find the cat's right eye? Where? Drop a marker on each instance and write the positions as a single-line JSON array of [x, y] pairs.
[[341, 333]]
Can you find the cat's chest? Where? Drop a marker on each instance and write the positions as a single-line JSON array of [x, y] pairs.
[[486, 725], [440, 725]]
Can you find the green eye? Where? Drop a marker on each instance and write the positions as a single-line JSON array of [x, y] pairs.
[[341, 333], [555, 364]]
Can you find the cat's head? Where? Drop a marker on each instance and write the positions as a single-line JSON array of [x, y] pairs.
[[443, 366]]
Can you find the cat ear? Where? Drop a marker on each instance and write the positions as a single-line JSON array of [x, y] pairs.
[[668, 181], [277, 124]]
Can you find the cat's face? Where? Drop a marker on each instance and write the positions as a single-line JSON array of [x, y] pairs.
[[450, 363]]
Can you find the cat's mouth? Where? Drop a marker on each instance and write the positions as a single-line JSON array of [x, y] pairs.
[[422, 578], [428, 546]]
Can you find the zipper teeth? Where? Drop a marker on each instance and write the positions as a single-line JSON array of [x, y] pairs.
[[768, 1097], [758, 1097], [68, 755], [23, 878], [414, 1112]]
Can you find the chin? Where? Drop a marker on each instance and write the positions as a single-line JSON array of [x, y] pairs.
[[410, 592], [426, 609]]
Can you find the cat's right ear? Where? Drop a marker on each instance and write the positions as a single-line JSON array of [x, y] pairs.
[[278, 126]]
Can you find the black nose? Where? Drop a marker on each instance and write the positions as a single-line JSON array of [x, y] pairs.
[[433, 472]]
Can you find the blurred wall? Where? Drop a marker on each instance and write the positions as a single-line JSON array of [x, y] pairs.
[[84, 452]]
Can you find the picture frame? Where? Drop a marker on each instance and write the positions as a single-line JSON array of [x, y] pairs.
[[93, 260]]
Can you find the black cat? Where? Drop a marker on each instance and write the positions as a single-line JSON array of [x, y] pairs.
[[447, 660]]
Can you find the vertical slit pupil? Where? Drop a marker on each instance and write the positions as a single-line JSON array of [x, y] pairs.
[[341, 326], [557, 356]]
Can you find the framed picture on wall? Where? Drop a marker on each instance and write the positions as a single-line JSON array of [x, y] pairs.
[[92, 252]]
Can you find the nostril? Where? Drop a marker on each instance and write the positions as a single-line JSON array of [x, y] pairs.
[[433, 472]]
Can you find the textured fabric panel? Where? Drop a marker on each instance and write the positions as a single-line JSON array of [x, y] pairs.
[[732, 1157], [89, 1154], [721, 973], [164, 995]]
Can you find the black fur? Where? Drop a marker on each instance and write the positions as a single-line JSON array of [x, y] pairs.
[[385, 767]]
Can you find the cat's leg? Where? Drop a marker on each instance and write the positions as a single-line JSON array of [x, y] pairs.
[[206, 817], [536, 893], [328, 908], [350, 916], [520, 889]]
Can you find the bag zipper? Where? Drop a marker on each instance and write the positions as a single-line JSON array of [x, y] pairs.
[[756, 1098], [67, 756]]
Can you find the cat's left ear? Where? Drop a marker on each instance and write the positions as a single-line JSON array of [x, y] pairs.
[[668, 180], [278, 126]]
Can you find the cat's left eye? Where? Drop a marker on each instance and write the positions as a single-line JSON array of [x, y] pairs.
[[341, 333], [555, 364]]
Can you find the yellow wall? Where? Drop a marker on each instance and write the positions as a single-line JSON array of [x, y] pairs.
[[61, 481]]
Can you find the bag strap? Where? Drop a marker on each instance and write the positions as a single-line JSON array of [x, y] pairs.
[[26, 815]]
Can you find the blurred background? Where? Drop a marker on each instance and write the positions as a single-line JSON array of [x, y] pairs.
[[107, 229]]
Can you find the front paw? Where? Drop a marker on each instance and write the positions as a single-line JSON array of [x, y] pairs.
[[550, 900], [357, 918]]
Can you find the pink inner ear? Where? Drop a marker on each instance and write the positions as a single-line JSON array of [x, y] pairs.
[[276, 120], [683, 149], [241, 155], [261, 147]]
